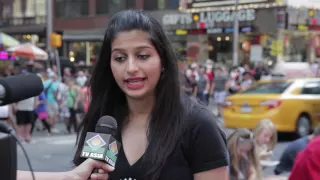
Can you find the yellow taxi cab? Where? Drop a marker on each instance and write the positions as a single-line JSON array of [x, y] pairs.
[[293, 105]]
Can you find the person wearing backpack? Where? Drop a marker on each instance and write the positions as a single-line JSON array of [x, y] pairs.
[[51, 89]]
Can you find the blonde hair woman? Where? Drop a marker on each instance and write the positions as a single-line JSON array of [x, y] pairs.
[[265, 136], [244, 162]]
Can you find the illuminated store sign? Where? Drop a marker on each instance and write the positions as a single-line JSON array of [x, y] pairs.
[[214, 3], [208, 17], [225, 16], [5, 56]]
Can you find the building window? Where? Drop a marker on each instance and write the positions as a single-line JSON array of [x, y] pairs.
[[161, 4], [173, 4], [113, 6], [71, 8], [150, 5]]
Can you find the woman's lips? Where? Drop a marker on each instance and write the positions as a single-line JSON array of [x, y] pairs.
[[135, 83]]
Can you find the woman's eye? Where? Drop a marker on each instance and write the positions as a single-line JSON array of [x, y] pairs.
[[120, 59], [143, 56]]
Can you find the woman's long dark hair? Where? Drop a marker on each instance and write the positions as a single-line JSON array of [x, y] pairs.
[[107, 98]]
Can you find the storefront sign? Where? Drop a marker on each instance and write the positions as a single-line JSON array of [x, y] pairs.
[[215, 31], [246, 29], [5, 56], [302, 27], [214, 3], [209, 18], [181, 32], [197, 31], [176, 19], [226, 16], [228, 30]]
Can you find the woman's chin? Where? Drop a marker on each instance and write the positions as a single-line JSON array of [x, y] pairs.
[[136, 94]]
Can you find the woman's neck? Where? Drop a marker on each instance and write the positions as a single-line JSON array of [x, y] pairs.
[[140, 107]]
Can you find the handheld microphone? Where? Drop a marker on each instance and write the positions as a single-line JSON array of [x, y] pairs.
[[101, 144], [20, 87]]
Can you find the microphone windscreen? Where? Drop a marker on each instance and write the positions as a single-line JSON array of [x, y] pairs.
[[106, 125], [20, 87]]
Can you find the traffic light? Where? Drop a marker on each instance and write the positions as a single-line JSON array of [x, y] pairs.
[[56, 40]]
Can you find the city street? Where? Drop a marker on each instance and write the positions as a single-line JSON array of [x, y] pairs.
[[54, 153]]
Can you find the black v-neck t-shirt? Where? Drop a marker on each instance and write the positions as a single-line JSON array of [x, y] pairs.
[[202, 148]]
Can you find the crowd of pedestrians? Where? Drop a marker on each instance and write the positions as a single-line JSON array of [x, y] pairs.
[[64, 100], [207, 82]]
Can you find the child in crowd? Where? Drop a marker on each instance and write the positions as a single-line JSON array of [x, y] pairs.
[[41, 111], [244, 162], [265, 136]]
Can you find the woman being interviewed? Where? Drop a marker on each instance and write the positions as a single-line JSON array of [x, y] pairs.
[[163, 134]]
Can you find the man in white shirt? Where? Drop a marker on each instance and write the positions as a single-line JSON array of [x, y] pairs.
[[25, 116]]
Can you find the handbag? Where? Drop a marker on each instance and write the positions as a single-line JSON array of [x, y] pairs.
[[80, 107], [43, 115]]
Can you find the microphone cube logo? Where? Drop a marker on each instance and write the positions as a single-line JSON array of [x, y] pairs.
[[111, 155], [96, 142], [95, 146], [113, 147]]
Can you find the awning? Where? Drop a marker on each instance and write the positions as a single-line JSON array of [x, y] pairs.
[[85, 35]]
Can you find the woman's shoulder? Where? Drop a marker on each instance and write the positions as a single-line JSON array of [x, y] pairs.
[[200, 118], [197, 114], [203, 141]]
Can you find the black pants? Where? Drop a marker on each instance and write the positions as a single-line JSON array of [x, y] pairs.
[[72, 121], [44, 123]]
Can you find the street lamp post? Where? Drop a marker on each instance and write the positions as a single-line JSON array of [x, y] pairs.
[[53, 52], [49, 23], [236, 35]]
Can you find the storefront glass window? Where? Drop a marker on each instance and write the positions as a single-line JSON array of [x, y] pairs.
[[85, 51], [297, 46], [71, 8]]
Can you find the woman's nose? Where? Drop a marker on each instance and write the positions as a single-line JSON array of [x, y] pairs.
[[132, 66]]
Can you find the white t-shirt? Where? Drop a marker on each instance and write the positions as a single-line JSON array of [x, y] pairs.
[[4, 111], [26, 105]]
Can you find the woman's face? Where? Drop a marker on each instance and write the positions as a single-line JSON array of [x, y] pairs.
[[244, 148], [265, 136], [135, 63]]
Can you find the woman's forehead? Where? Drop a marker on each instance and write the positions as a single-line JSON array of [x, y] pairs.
[[133, 39]]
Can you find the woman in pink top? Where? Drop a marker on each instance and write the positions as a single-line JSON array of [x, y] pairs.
[[85, 94]]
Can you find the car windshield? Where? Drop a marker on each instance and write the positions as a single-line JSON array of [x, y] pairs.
[[268, 88]]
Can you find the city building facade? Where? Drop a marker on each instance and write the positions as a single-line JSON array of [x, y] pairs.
[[270, 30], [82, 24], [199, 30], [25, 20]]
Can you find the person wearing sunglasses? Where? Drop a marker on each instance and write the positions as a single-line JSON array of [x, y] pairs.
[[244, 162]]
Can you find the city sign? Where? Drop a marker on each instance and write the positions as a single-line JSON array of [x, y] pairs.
[[215, 3], [176, 19], [225, 16], [209, 18]]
